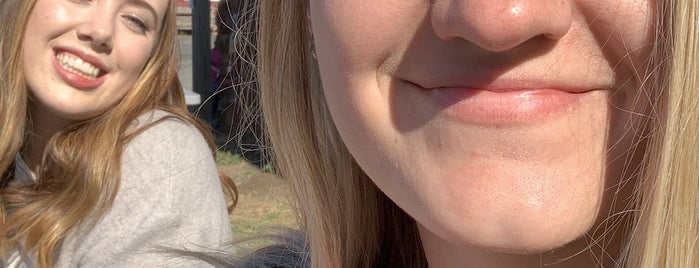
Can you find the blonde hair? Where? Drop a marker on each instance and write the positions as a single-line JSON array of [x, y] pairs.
[[666, 234], [80, 171], [351, 223]]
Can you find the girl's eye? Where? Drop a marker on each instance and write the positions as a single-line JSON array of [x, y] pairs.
[[136, 24], [82, 1]]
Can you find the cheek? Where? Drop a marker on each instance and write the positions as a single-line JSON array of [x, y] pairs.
[[385, 29], [625, 29], [134, 57], [38, 26], [628, 30], [353, 60]]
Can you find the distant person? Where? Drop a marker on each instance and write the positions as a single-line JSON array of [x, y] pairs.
[[222, 76], [102, 165]]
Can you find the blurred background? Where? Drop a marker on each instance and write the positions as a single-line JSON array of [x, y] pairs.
[[224, 94]]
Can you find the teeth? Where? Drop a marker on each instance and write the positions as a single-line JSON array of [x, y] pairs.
[[78, 66]]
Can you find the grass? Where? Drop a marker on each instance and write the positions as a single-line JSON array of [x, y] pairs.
[[259, 226], [226, 158], [263, 199]]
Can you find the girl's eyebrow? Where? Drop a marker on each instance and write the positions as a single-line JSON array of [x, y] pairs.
[[145, 5]]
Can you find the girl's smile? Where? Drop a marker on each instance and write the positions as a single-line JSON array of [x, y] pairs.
[[79, 72]]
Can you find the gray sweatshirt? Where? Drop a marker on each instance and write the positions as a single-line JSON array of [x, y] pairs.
[[169, 197]]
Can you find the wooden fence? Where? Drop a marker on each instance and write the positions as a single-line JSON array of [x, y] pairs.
[[184, 17]]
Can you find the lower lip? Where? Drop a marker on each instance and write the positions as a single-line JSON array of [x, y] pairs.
[[503, 108], [75, 80]]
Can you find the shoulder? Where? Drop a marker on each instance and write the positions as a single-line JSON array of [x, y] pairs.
[[159, 127], [167, 152], [169, 196], [161, 139]]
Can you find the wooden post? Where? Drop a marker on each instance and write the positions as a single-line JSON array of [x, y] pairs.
[[201, 57]]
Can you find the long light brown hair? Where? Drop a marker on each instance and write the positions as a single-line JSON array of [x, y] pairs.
[[79, 175], [349, 222]]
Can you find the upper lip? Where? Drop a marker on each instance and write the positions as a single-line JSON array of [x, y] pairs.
[[87, 57], [502, 84], [501, 74]]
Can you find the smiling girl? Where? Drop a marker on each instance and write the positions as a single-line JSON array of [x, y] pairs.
[[100, 161]]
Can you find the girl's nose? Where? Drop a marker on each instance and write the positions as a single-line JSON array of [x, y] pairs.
[[97, 28], [499, 25]]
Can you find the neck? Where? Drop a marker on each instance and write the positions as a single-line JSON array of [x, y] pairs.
[[43, 128]]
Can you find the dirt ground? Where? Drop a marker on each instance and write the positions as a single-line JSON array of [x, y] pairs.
[[263, 198]]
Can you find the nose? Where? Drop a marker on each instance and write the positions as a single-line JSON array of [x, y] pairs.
[[97, 28], [499, 25]]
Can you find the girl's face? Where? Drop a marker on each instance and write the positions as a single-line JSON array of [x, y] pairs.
[[500, 125], [82, 56]]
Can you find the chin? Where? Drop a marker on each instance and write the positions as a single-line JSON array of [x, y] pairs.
[[535, 242], [524, 213], [524, 238]]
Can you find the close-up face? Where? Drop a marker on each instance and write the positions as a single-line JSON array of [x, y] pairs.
[[80, 57], [502, 125]]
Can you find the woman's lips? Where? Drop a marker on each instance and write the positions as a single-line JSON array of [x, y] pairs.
[[503, 106], [73, 78]]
